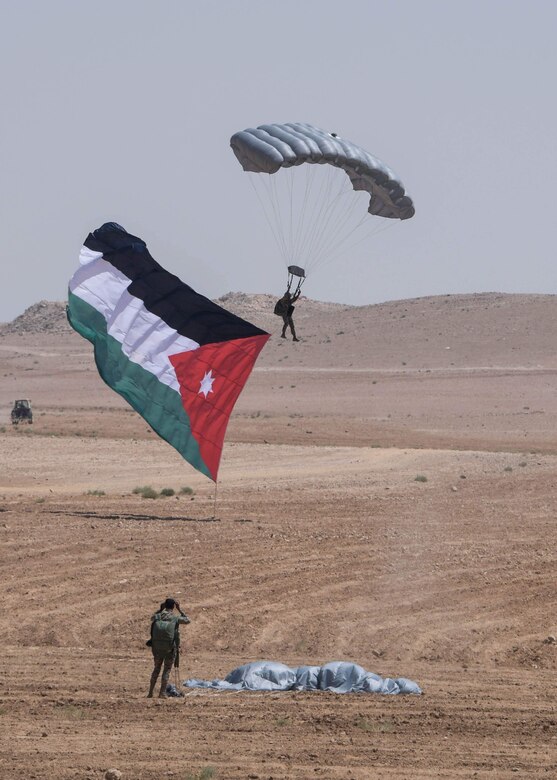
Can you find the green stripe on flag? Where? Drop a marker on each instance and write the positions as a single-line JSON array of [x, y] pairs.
[[158, 404]]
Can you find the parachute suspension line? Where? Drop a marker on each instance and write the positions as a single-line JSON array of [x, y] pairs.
[[341, 230], [275, 231], [312, 215], [301, 280], [290, 181], [277, 202], [326, 219], [215, 501], [294, 222], [310, 203], [290, 280], [342, 240], [339, 225], [335, 229], [318, 219], [375, 230], [335, 217], [300, 232], [317, 205], [270, 186]]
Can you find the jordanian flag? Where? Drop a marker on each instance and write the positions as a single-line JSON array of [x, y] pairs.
[[177, 358]]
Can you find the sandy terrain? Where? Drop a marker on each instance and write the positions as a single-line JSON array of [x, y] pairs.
[[320, 545]]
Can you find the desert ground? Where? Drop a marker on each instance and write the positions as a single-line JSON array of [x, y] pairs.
[[387, 495]]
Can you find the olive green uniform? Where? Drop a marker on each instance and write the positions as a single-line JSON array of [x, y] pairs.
[[165, 658]]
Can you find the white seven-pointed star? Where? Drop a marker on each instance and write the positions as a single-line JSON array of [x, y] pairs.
[[206, 385]]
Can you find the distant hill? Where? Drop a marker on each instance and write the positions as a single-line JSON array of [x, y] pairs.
[[41, 317], [258, 308], [482, 330], [50, 316]]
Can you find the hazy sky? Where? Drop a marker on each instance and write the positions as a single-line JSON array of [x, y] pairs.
[[123, 111]]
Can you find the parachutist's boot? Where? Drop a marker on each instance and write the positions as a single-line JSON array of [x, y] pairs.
[[164, 683], [152, 684]]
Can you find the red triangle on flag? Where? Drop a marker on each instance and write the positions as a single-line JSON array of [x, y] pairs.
[[211, 379]]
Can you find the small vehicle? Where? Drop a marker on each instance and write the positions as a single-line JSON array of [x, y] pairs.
[[22, 412]]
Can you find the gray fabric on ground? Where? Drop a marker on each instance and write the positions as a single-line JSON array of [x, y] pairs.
[[172, 691], [337, 676]]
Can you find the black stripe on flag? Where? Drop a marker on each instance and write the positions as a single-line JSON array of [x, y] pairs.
[[165, 295]]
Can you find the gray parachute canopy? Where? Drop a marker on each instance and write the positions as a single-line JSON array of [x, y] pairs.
[[268, 148], [336, 676]]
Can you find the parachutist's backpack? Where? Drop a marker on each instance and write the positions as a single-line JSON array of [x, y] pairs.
[[281, 307], [163, 633]]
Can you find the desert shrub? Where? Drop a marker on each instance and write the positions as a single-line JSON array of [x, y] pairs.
[[71, 711], [375, 727], [508, 468], [95, 493], [206, 773], [186, 491], [140, 489], [145, 491], [148, 492], [167, 492], [420, 478]]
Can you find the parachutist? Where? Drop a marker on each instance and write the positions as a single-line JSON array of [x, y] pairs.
[[284, 308]]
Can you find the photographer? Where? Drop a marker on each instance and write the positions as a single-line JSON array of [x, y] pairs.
[[165, 642]]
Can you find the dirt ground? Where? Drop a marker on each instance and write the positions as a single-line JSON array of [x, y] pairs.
[[320, 545]]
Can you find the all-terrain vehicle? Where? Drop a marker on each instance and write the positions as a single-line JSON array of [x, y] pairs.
[[22, 412]]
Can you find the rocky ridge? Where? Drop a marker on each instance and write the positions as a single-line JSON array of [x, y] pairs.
[[50, 316], [41, 317]]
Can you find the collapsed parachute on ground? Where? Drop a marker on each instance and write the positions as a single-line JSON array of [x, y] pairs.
[[268, 148], [337, 677], [178, 359]]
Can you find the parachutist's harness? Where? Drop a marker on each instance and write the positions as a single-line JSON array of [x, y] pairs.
[[285, 305], [295, 272]]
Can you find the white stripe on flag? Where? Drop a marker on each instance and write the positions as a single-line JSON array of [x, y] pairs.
[[145, 338]]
